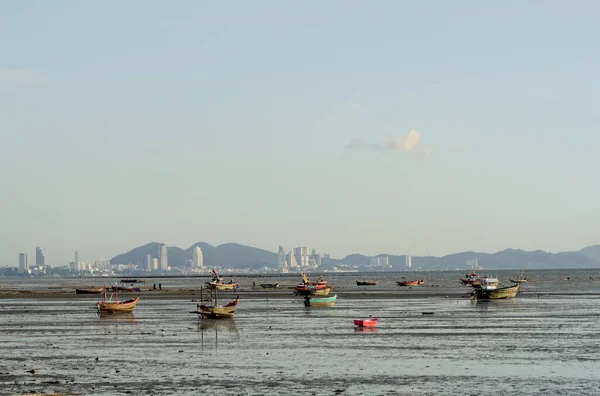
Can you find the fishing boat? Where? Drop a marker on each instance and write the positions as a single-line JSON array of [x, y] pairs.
[[216, 311], [320, 301], [89, 291], [487, 283], [125, 288], [269, 285], [311, 288], [107, 306], [217, 282], [371, 322], [497, 293], [471, 278], [365, 282], [133, 280], [411, 283], [518, 279]]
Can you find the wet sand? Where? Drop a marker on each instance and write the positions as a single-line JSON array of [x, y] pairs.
[[545, 341]]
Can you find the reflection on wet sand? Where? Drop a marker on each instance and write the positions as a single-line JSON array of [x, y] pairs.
[[493, 305], [365, 329], [120, 317], [208, 325]]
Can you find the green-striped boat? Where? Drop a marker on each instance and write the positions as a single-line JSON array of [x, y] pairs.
[[319, 301]]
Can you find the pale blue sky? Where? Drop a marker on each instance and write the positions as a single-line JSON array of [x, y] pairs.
[[128, 122]]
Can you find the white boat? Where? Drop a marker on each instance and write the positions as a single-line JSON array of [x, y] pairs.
[[489, 283]]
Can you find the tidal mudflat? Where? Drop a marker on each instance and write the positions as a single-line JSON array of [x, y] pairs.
[[528, 346]]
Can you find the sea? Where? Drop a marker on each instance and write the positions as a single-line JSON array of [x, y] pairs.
[[546, 341]]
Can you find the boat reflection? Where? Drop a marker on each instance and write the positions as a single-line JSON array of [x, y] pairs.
[[496, 305], [225, 326], [365, 329], [117, 317]]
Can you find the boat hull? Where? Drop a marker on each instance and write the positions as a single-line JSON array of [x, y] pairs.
[[89, 291], [269, 285], [365, 322], [222, 312], [315, 292], [497, 294], [320, 302], [410, 283], [366, 283], [117, 307]]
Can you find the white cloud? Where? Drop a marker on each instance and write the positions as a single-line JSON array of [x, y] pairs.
[[406, 144], [400, 144], [18, 76]]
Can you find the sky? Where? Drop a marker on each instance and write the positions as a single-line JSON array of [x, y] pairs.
[[398, 127]]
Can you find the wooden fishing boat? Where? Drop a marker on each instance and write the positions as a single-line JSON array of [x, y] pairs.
[[269, 285], [519, 279], [217, 282], [469, 279], [133, 280], [365, 283], [311, 291], [125, 288], [320, 287], [371, 322], [411, 283], [215, 311], [487, 282], [89, 291], [106, 307], [497, 293], [320, 301], [218, 312]]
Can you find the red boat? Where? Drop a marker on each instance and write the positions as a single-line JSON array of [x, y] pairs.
[[470, 279], [307, 286], [371, 322], [411, 283]]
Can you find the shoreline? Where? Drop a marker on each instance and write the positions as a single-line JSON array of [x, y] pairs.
[[288, 293]]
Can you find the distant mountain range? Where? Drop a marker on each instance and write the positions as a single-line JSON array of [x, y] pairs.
[[236, 256]]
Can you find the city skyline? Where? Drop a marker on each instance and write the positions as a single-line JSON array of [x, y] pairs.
[[343, 126]]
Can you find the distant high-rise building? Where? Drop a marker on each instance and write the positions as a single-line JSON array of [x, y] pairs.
[[408, 261], [380, 261], [154, 264], [198, 259], [76, 261], [291, 260], [315, 259], [163, 257], [281, 264], [148, 263], [39, 257], [23, 263], [302, 256]]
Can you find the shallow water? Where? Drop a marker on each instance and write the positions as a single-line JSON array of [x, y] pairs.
[[528, 346]]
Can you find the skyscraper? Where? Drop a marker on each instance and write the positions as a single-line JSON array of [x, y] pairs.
[[163, 257], [291, 260], [302, 256], [154, 264], [39, 257], [23, 264], [198, 260], [281, 258], [148, 263], [76, 258], [408, 261]]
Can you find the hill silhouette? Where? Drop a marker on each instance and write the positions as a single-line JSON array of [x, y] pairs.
[[237, 256]]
